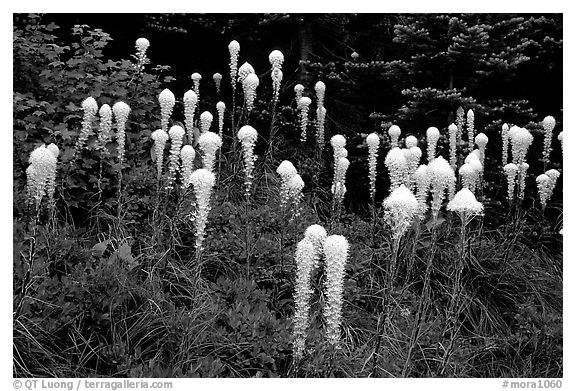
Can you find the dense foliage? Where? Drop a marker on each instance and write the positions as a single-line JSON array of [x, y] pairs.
[[110, 282]]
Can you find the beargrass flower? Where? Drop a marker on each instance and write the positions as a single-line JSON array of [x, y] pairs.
[[187, 154], [277, 77], [209, 143], [160, 138], [400, 207], [176, 134], [422, 181], [413, 160], [336, 253], [394, 133], [298, 90], [459, 123], [90, 108], [373, 142], [121, 111], [295, 185], [247, 136], [522, 172], [561, 139], [196, 77], [441, 178], [452, 131], [481, 140], [142, 45], [543, 182], [306, 256], [276, 59], [105, 129], [397, 166], [167, 101], [320, 88], [41, 175], [303, 107], [505, 144], [317, 235], [250, 83], [206, 119], [521, 139], [470, 123], [511, 171], [553, 174], [549, 123], [203, 181], [217, 77], [320, 121], [234, 49], [411, 141], [338, 185], [432, 137], [286, 170], [465, 204], [220, 108], [190, 102], [244, 70], [468, 176]]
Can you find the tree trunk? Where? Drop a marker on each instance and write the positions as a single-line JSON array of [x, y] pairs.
[[306, 39]]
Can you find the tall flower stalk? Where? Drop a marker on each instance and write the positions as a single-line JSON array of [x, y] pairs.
[[202, 181], [394, 133], [209, 143], [452, 133], [470, 125], [176, 134], [303, 107], [466, 206], [249, 84], [160, 137], [90, 108], [190, 103], [505, 144], [196, 77], [373, 142], [549, 123], [336, 253], [167, 101], [432, 137], [217, 78]]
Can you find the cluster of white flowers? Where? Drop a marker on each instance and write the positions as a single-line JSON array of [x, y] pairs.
[[339, 185], [511, 171], [320, 121], [276, 59], [441, 178], [305, 261], [432, 137], [303, 107], [247, 136], [121, 111], [422, 182], [203, 181], [320, 88], [473, 173], [401, 206], [217, 77], [196, 77], [465, 204], [521, 139], [394, 133], [286, 170], [187, 154], [298, 90], [249, 84], [505, 144], [481, 141], [412, 155], [336, 253], [220, 108], [90, 108], [373, 142], [338, 143], [160, 138], [308, 254], [397, 166], [459, 123], [209, 143], [549, 123], [142, 44], [234, 49], [41, 174], [206, 119], [522, 172], [190, 102], [452, 132], [105, 129], [244, 70], [167, 101], [176, 134], [411, 141], [546, 184], [561, 139], [295, 185], [470, 124]]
